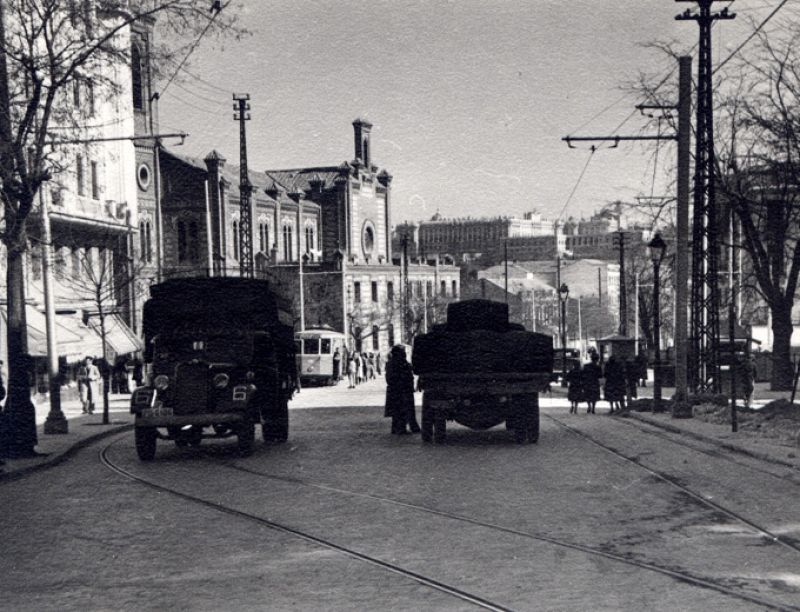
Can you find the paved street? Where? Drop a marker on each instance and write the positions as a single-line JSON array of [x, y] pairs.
[[346, 516]]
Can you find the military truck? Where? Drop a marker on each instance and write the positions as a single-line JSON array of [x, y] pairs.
[[220, 359], [480, 371]]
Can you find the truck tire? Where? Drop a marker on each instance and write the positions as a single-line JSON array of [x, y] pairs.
[[533, 417], [145, 442], [521, 432], [275, 428], [439, 427], [245, 436], [195, 435], [427, 420]]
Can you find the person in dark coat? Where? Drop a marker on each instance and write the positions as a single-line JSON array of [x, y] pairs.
[[748, 374], [591, 375], [138, 372], [337, 365], [400, 393], [632, 378], [614, 388], [641, 366], [575, 392]]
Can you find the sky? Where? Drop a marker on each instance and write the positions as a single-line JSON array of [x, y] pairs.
[[469, 99]]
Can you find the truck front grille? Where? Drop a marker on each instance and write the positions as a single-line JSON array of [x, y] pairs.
[[191, 388]]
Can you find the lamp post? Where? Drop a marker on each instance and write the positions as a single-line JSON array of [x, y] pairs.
[[657, 247], [563, 296]]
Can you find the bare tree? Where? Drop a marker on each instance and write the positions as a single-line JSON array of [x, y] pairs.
[[99, 278], [46, 47]]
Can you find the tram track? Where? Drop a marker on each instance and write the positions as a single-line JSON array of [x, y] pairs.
[[460, 594], [676, 574], [672, 481]]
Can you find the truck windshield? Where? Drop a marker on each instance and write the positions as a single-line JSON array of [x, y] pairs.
[[234, 347]]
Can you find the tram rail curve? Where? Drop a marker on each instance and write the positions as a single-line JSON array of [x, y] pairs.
[[477, 600]]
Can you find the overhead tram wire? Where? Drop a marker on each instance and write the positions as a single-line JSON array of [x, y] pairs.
[[193, 46], [195, 106], [592, 151], [750, 37]]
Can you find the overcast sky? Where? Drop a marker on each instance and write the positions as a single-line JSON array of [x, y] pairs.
[[469, 98]]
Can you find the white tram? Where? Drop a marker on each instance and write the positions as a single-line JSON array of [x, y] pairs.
[[315, 349]]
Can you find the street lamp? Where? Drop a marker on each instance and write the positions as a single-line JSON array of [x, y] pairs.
[[657, 247], [563, 296]]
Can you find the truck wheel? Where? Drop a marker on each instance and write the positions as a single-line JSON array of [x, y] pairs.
[[275, 428], [245, 436], [521, 431], [533, 427], [439, 428], [145, 442], [427, 421], [195, 435]]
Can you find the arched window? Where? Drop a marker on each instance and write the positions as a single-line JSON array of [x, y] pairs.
[[235, 240], [287, 243], [309, 238], [194, 242], [182, 252], [263, 237], [148, 242], [136, 78]]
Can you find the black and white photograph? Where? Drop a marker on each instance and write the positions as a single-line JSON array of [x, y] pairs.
[[399, 305]]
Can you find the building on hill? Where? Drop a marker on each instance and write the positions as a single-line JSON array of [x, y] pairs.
[[467, 238]]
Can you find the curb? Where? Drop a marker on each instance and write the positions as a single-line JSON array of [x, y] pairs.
[[726, 445], [61, 456]]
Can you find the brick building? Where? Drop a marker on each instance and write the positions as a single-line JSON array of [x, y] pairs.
[[337, 218]]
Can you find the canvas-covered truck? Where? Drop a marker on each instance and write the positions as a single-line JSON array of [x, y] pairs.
[[480, 371], [220, 360]]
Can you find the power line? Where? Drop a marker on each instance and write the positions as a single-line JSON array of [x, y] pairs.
[[578, 182], [750, 37], [216, 9], [195, 106]]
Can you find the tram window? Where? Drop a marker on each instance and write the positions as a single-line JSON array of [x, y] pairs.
[[325, 346], [298, 346], [311, 346]]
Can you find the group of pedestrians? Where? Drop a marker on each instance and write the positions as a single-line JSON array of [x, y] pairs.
[[617, 377], [360, 367], [92, 371]]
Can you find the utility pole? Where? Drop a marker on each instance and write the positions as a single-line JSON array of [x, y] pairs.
[[241, 115], [406, 296], [704, 366], [623, 298], [682, 237]]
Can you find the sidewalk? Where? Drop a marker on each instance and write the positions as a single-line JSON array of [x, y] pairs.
[[743, 441], [83, 430]]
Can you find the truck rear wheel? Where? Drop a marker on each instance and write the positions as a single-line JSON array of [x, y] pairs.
[[245, 436], [145, 442], [275, 428], [427, 420], [439, 427]]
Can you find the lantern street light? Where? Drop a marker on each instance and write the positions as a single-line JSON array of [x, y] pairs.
[[657, 248], [563, 296]]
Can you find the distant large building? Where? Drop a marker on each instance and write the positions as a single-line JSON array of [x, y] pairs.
[[468, 238]]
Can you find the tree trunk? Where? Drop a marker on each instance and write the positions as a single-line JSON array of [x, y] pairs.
[[782, 371], [18, 426]]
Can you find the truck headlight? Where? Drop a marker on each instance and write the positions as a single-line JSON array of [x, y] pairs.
[[161, 382], [221, 381]]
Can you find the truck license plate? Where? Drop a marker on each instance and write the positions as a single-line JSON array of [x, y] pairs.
[[158, 411]]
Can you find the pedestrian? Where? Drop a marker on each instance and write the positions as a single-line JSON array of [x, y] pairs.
[[575, 392], [614, 388], [371, 366], [88, 384], [748, 370], [357, 359], [379, 363], [2, 384], [119, 377], [364, 374], [138, 372], [400, 393], [591, 375], [632, 378], [352, 372], [337, 365], [641, 366]]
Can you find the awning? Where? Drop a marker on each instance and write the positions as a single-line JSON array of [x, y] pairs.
[[120, 339], [70, 342]]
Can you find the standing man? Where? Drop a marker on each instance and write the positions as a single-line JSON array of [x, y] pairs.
[[337, 365], [400, 393], [88, 385]]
